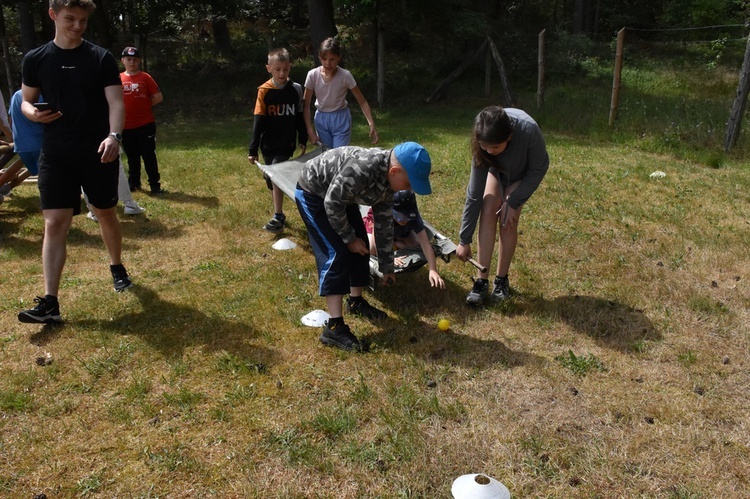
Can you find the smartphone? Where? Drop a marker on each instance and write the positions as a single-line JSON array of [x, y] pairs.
[[43, 106]]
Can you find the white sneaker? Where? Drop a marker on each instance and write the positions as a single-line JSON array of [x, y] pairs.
[[133, 209], [91, 216]]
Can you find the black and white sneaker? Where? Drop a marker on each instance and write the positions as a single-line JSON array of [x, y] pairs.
[[120, 278], [276, 224], [501, 290], [46, 311], [340, 336], [359, 306], [478, 293]]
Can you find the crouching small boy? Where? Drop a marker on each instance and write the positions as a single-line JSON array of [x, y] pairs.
[[329, 191], [409, 232]]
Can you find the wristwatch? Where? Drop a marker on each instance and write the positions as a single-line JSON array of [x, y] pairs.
[[116, 135]]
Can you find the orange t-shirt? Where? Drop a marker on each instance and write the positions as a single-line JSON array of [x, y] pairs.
[[137, 90]]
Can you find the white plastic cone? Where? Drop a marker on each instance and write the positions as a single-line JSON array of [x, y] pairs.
[[284, 244], [478, 486], [316, 318]]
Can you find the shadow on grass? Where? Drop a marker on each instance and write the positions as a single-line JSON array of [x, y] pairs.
[[183, 197], [411, 299], [170, 329], [611, 324], [423, 340], [13, 214]]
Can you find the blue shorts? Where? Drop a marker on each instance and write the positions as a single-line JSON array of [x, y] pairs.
[[338, 268], [335, 128], [30, 161]]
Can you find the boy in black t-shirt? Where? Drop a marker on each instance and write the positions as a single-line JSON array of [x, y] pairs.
[[278, 122], [80, 146]]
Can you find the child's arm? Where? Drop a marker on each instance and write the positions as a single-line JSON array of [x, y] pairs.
[[311, 135], [258, 127], [367, 112], [435, 280]]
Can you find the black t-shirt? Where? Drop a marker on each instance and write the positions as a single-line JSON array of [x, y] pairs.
[[73, 82]]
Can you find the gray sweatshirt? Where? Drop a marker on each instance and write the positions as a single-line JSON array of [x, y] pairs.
[[524, 159]]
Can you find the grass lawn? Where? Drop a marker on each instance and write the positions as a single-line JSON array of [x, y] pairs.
[[620, 368]]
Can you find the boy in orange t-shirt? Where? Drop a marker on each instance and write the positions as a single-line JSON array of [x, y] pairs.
[[140, 93]]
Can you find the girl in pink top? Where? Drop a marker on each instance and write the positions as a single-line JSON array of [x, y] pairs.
[[330, 83]]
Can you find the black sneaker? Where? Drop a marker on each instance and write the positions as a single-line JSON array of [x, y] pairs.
[[478, 293], [340, 336], [502, 289], [120, 278], [46, 311], [156, 189], [360, 306], [275, 225]]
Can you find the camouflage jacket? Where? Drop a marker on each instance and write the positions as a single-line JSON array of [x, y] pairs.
[[354, 175]]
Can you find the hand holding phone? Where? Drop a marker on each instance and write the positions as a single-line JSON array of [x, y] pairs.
[[43, 106]]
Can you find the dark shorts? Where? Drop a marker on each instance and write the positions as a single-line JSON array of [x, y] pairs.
[[62, 176], [338, 268], [271, 158]]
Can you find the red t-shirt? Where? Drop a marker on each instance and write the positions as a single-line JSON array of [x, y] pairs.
[[137, 90]]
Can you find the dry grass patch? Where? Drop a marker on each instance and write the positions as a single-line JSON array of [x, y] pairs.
[[620, 367]]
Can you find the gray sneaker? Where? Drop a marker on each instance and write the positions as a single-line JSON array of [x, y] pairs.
[[478, 293], [133, 208], [502, 289]]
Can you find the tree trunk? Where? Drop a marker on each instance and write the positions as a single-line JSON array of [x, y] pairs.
[[101, 24], [6, 55], [322, 24], [381, 66], [578, 16], [26, 25], [585, 14], [222, 38]]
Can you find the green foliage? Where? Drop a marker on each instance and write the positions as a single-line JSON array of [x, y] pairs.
[[11, 400], [90, 484], [580, 364]]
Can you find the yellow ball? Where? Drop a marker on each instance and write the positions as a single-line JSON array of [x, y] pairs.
[[444, 325]]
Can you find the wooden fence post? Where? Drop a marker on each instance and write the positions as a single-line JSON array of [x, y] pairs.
[[615, 103], [740, 100], [508, 101], [540, 71]]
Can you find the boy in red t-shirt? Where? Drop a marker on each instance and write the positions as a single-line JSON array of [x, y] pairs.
[[140, 93]]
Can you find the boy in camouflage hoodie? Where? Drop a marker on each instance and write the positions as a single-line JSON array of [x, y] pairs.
[[329, 191]]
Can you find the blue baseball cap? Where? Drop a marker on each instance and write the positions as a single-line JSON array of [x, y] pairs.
[[416, 161]]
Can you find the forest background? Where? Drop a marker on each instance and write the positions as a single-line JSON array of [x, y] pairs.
[[221, 44]]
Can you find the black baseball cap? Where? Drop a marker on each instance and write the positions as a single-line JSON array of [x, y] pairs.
[[131, 52], [405, 206]]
